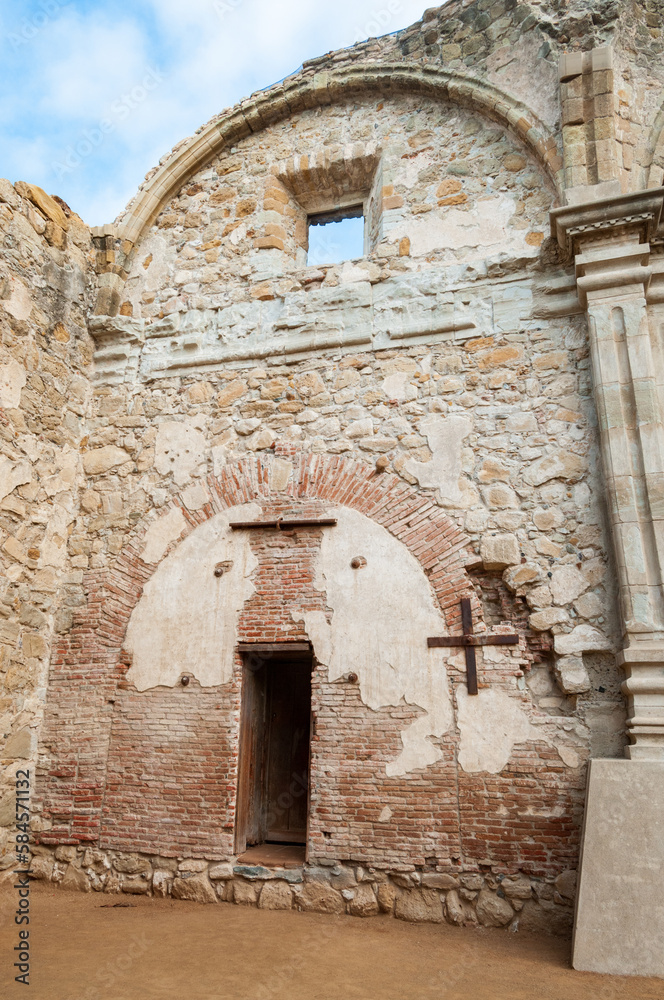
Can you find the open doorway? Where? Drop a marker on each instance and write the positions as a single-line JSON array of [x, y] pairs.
[[275, 727]]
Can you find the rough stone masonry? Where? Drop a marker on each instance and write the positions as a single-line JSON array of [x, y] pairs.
[[477, 401]]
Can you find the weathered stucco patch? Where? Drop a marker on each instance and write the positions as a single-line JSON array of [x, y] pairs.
[[13, 377], [281, 472], [13, 474], [491, 724], [381, 616], [484, 226], [19, 303], [161, 533], [186, 620], [445, 436], [180, 449]]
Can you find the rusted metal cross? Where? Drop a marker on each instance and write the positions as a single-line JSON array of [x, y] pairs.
[[469, 641]]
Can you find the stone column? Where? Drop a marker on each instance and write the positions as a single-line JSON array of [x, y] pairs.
[[620, 285], [612, 259]]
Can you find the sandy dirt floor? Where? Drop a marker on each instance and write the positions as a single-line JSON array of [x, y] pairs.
[[84, 947]]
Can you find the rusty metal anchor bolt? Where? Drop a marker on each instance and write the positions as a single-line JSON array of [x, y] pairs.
[[352, 678], [359, 562], [222, 567], [184, 680]]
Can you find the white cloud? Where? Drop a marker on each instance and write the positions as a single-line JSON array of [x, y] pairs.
[[83, 65], [94, 57]]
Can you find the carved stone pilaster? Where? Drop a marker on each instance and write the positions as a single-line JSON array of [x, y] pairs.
[[612, 257]]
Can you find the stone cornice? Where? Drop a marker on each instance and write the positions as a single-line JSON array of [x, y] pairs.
[[638, 213]]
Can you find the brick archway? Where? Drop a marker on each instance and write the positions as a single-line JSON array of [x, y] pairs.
[[87, 666]]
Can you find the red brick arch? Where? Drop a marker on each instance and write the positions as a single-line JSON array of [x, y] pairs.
[[87, 668]]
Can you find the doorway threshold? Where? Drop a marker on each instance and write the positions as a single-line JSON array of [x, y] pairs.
[[274, 855]]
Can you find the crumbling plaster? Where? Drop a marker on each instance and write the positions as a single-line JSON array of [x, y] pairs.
[[186, 620]]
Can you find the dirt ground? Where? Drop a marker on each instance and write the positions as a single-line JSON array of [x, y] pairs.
[[84, 947]]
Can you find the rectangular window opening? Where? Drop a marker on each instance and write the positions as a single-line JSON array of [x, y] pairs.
[[336, 236]]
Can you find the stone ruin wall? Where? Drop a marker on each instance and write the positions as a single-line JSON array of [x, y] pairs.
[[47, 287], [461, 374]]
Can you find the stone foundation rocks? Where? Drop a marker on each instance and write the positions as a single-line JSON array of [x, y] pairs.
[[515, 901]]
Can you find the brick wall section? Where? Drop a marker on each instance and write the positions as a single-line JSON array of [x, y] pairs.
[[155, 771]]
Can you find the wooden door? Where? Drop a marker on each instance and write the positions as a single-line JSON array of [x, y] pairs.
[[273, 773], [287, 764], [249, 824]]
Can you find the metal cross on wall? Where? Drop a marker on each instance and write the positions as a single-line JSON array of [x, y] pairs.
[[469, 641]]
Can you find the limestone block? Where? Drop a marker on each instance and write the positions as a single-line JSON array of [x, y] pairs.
[[589, 606], [518, 577], [543, 620], [399, 387], [439, 880], [193, 865], [19, 745], [566, 884], [75, 880], [567, 583], [472, 880], [161, 884], [131, 864], [419, 906], [344, 880], [136, 886], [492, 911], [42, 868], [43, 201], [231, 394], [309, 384], [545, 520], [558, 465], [321, 898], [96, 860], [224, 870], [572, 674], [364, 902], [582, 639], [19, 303], [500, 551], [195, 887], [517, 887], [261, 439], [104, 459], [545, 917], [387, 895], [65, 852], [276, 895], [454, 910], [244, 893]]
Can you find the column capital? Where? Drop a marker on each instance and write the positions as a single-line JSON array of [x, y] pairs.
[[612, 268], [633, 217]]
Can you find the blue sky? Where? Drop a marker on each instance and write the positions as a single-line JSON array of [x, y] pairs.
[[93, 94]]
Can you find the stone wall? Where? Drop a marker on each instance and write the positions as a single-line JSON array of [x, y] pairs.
[[434, 396], [511, 901], [46, 290]]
